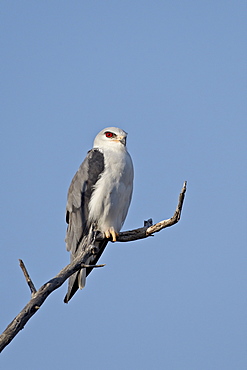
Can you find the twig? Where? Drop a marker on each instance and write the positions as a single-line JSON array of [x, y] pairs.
[[92, 266], [38, 297], [27, 277], [174, 219]]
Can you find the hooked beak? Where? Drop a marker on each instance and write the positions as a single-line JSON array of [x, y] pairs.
[[122, 139]]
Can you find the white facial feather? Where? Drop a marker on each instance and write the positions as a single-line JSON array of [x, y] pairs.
[[102, 141]]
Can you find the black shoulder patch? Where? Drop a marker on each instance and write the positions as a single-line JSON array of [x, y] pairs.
[[96, 166]]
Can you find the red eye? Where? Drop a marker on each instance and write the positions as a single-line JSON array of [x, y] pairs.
[[108, 134]]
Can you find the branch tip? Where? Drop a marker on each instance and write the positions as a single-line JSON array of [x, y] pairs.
[[27, 277]]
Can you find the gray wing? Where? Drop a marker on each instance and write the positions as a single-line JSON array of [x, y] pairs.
[[79, 196]]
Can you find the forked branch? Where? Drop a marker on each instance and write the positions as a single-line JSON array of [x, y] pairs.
[[38, 297]]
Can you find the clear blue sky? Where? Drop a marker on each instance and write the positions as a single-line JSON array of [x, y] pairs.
[[173, 75]]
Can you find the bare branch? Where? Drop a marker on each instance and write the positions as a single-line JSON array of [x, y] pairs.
[[39, 296]]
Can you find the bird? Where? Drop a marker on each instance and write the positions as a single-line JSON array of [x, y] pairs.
[[98, 200]]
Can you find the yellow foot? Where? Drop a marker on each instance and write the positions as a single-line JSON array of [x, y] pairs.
[[111, 233]]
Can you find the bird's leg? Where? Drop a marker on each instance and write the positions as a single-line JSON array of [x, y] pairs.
[[111, 233]]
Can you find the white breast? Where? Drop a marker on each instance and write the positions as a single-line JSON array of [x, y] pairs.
[[112, 193]]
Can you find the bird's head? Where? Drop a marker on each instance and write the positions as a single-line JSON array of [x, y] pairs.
[[110, 137]]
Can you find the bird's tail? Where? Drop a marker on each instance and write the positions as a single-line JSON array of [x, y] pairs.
[[78, 279]]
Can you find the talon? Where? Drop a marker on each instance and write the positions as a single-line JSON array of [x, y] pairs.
[[107, 234], [111, 233]]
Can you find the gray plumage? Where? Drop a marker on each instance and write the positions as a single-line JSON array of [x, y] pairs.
[[99, 198]]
